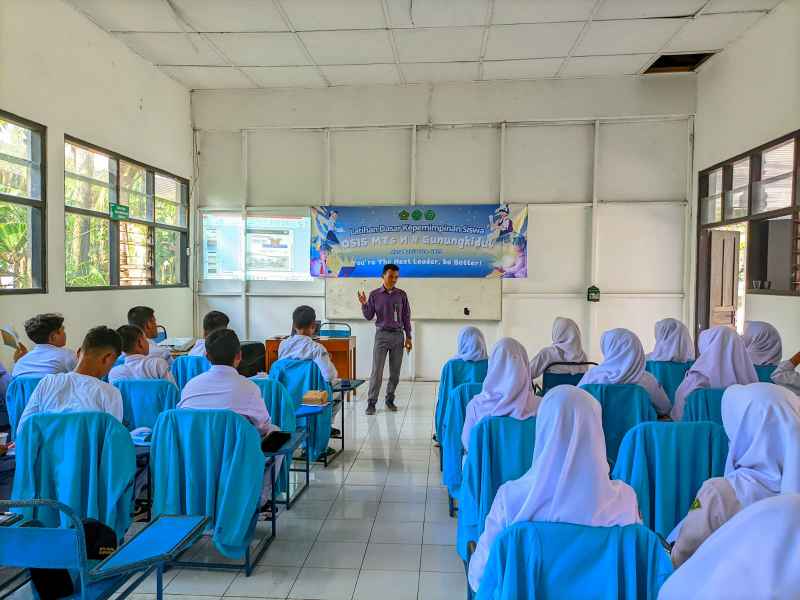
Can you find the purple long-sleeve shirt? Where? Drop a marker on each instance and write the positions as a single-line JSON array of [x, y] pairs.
[[391, 307]]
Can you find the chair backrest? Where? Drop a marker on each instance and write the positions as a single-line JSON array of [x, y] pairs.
[[551, 379], [120, 360], [454, 373], [84, 460], [209, 462], [17, 394], [764, 372], [624, 407], [161, 335], [704, 404], [187, 367], [668, 374], [453, 423], [501, 450], [279, 404], [335, 329], [666, 464], [144, 399], [562, 561], [298, 377]]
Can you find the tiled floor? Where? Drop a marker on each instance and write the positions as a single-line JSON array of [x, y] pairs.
[[372, 526]]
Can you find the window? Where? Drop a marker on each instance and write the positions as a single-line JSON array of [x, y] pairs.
[[109, 248], [22, 205]]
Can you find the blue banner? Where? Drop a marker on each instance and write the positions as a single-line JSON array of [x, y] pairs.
[[469, 240]]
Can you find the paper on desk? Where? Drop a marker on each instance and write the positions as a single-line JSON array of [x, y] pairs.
[[10, 336]]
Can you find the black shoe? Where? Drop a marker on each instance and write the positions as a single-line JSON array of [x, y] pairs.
[[370, 409], [390, 406], [335, 433]]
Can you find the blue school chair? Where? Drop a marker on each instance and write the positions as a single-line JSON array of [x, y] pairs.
[[188, 367], [666, 463], [551, 380], [85, 460], [668, 374], [209, 462], [452, 450], [542, 560], [299, 377], [624, 407], [161, 335], [17, 394], [335, 329], [144, 399], [454, 373], [120, 361], [149, 551], [764, 372], [704, 404], [500, 450]]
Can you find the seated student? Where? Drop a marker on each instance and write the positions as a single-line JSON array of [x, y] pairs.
[[763, 343], [300, 346], [144, 318], [623, 362], [138, 365], [213, 321], [81, 390], [48, 355], [5, 377], [786, 376], [673, 342], [568, 481], [762, 421], [723, 362], [566, 347], [507, 389], [471, 345]]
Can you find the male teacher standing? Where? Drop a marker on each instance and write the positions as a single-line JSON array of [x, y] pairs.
[[392, 333]]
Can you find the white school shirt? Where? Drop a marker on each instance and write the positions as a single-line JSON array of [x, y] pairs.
[[222, 388], [199, 348], [139, 366], [73, 392], [159, 351], [44, 359], [302, 347], [786, 376]]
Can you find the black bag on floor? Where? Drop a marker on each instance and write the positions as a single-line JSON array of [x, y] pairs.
[[254, 359]]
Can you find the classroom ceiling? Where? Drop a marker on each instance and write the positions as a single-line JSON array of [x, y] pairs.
[[234, 44]]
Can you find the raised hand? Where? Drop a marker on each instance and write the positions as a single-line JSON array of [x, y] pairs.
[[362, 297]]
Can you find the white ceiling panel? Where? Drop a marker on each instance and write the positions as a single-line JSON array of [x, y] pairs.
[[123, 15], [544, 40], [627, 37], [437, 13], [541, 11], [230, 15], [718, 6], [434, 72], [208, 78], [349, 47], [640, 9], [335, 14], [589, 66], [534, 68], [712, 32], [439, 44], [361, 74], [172, 48], [260, 49], [285, 76]]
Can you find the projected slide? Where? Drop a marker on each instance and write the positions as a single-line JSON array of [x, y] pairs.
[[278, 248], [222, 246]]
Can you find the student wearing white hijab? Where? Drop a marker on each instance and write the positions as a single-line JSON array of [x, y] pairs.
[[766, 566], [673, 342], [762, 422], [763, 343], [471, 345], [723, 362], [507, 389], [566, 347], [623, 362], [568, 481]]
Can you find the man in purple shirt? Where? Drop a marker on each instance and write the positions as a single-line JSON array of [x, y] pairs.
[[390, 305]]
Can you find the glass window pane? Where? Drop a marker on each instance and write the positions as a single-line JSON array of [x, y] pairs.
[[86, 246], [222, 246], [135, 254], [16, 141], [168, 201], [772, 195], [168, 257], [20, 161], [84, 194], [710, 210], [771, 267], [778, 160], [715, 182], [133, 191], [88, 163], [17, 224]]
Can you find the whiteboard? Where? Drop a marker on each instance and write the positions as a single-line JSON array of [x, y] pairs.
[[431, 299]]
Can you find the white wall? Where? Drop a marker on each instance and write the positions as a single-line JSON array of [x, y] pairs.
[[60, 70], [747, 96], [355, 146]]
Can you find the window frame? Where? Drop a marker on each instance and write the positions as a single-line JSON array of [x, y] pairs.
[[41, 205], [114, 229]]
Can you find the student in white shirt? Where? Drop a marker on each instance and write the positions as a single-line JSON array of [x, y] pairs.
[[49, 354], [213, 321], [144, 318], [301, 347], [138, 364], [81, 390], [785, 374]]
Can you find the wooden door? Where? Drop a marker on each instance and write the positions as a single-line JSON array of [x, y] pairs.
[[723, 278]]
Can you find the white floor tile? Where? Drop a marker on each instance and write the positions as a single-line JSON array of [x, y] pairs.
[[401, 511], [392, 557], [264, 581], [440, 534], [442, 586], [200, 583], [437, 511], [366, 478], [346, 530], [396, 532], [320, 492], [286, 553], [325, 584], [336, 555], [387, 585], [296, 528], [401, 493], [441, 559], [311, 509], [407, 479], [353, 509], [361, 493]]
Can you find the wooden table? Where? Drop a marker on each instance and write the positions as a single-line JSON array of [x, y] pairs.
[[341, 349]]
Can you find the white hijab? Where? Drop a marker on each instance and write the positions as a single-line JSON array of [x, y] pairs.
[[471, 344], [507, 389], [623, 359], [569, 479], [762, 421], [567, 340], [754, 555], [723, 359], [673, 342], [763, 343]]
